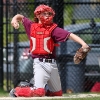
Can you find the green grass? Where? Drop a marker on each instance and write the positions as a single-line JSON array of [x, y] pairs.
[[3, 93]]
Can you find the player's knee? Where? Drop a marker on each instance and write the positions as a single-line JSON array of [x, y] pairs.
[[28, 92], [22, 92], [39, 92], [58, 93]]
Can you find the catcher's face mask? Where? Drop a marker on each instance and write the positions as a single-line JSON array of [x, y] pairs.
[[45, 14], [46, 18]]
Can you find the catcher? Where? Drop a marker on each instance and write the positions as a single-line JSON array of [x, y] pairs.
[[43, 34]]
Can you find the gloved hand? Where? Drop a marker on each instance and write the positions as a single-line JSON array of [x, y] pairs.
[[80, 54]]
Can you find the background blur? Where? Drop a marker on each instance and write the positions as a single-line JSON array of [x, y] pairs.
[[81, 17]]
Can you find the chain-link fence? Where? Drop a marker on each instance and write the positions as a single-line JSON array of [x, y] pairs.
[[81, 17]]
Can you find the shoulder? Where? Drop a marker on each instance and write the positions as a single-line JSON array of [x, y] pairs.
[[61, 31], [59, 34]]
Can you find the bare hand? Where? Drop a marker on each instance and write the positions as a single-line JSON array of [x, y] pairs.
[[15, 24]]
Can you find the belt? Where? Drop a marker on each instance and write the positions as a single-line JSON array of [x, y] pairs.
[[47, 60]]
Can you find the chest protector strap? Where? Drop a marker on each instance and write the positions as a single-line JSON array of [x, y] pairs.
[[41, 42]]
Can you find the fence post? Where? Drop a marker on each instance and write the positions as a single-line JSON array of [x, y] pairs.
[[58, 6], [16, 72], [38, 2], [1, 44]]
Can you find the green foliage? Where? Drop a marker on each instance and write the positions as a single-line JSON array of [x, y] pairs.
[[30, 8], [68, 11]]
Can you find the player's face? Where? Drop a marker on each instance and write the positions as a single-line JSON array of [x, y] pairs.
[[46, 17]]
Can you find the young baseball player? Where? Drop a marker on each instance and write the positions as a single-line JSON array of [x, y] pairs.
[[43, 35]]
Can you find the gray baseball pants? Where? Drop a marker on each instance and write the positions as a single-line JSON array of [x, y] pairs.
[[46, 73]]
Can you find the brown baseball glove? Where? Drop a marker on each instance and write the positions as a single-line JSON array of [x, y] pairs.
[[80, 54]]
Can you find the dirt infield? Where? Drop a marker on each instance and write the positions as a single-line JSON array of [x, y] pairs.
[[46, 98]]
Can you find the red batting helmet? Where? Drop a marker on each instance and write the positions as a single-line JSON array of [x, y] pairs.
[[42, 8]]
